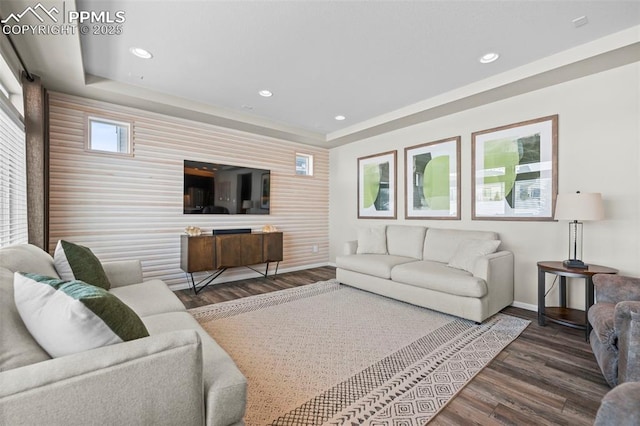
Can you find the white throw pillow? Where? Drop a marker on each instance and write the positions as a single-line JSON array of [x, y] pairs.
[[372, 240], [66, 317], [469, 251]]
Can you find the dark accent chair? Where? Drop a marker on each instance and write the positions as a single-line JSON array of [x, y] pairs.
[[615, 340], [620, 406]]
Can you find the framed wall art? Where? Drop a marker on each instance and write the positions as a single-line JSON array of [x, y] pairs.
[[515, 171], [432, 180], [377, 186]]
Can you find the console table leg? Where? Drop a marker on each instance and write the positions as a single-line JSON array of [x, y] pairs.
[[190, 281], [266, 271], [205, 281]]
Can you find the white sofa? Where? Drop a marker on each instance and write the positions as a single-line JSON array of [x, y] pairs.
[[412, 264], [176, 376]]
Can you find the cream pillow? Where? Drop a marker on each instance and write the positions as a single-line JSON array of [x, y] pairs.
[[372, 240], [469, 251]]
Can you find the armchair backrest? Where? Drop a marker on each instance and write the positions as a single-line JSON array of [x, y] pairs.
[[616, 288]]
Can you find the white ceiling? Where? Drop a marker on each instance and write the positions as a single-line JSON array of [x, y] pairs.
[[367, 60]]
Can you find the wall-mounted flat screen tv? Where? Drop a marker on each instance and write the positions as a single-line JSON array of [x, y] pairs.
[[211, 188]]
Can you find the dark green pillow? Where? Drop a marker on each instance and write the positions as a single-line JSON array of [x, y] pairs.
[[76, 262]]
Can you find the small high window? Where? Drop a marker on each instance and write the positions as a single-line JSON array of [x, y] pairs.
[[110, 136], [304, 164]]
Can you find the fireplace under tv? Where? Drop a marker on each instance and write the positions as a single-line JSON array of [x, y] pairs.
[[214, 188]]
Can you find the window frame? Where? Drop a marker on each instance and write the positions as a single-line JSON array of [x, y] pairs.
[[309, 161], [109, 120]]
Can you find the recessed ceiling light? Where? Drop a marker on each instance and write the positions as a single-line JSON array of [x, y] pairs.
[[140, 52], [265, 93], [340, 117], [489, 57]]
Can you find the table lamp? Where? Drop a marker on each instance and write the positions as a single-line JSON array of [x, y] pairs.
[[576, 208], [246, 205]]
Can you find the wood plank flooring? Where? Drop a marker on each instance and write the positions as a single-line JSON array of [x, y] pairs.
[[547, 376]]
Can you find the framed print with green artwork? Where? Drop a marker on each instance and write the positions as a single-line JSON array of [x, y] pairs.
[[377, 186], [432, 180], [515, 171]]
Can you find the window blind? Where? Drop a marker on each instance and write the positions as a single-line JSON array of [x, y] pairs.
[[13, 179]]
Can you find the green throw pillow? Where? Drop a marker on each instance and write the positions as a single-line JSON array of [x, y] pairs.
[[75, 262], [66, 317]]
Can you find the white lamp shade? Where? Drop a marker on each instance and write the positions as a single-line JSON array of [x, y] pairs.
[[579, 206]]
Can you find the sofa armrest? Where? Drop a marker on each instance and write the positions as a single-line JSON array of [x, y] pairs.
[[496, 269], [155, 380], [612, 288], [498, 262], [620, 406], [627, 325], [124, 272], [350, 247]]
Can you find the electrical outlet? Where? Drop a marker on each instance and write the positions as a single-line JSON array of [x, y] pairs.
[[314, 248]]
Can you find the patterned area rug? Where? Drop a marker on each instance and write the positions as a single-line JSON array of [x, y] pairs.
[[329, 354]]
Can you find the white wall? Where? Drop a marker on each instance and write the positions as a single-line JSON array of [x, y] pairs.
[[598, 151]]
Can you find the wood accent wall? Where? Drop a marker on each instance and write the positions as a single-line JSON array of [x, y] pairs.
[[130, 207]]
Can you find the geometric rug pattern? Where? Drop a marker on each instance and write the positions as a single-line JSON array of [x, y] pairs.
[[329, 354]]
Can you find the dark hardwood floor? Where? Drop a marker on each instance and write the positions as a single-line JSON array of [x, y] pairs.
[[222, 292], [547, 376]]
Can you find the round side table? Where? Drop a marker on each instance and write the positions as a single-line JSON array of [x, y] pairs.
[[569, 317]]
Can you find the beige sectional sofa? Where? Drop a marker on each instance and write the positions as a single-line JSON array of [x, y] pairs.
[[458, 272], [176, 376]]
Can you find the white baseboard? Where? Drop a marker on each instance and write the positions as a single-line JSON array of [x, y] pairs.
[[238, 274], [526, 306]]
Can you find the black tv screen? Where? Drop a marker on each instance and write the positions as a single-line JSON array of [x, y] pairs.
[[211, 188]]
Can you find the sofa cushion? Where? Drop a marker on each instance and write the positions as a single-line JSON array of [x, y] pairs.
[[18, 347], [469, 251], [371, 264], [148, 298], [76, 262], [439, 277], [406, 241], [441, 244], [66, 317], [225, 385], [372, 240]]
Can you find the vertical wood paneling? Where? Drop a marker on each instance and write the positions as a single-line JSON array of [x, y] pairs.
[[131, 207]]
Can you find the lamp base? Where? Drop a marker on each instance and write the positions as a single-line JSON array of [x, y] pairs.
[[575, 263]]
